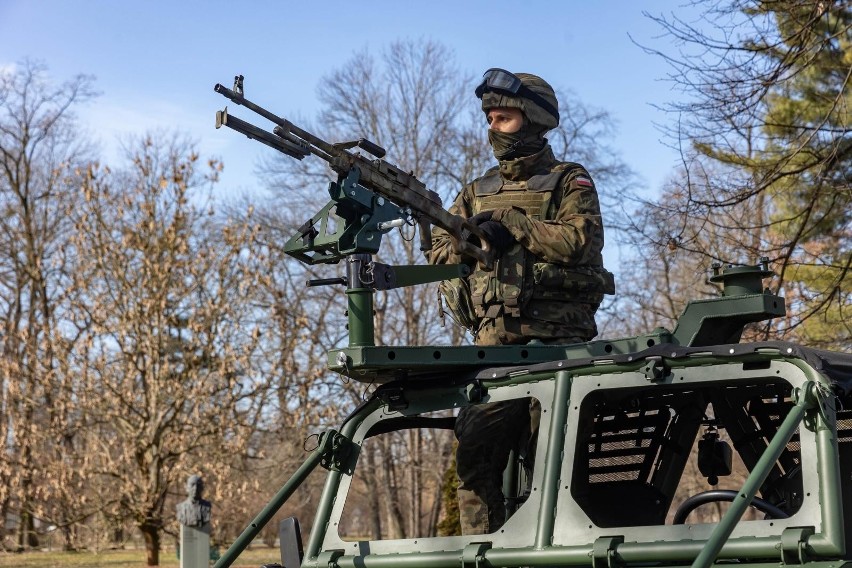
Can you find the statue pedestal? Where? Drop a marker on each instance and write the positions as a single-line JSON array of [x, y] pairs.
[[194, 546]]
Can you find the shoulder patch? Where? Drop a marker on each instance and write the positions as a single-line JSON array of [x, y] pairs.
[[583, 181]]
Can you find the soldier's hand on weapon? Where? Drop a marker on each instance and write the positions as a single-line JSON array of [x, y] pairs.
[[497, 235], [481, 217]]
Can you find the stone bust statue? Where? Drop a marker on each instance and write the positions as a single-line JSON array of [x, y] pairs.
[[195, 511]]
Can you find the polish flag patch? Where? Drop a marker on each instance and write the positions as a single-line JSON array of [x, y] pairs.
[[583, 181]]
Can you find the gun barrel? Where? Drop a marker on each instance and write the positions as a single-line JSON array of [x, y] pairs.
[[241, 100], [252, 131], [287, 134], [287, 127], [372, 147]]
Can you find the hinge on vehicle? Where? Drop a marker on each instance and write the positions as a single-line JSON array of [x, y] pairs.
[[473, 553], [603, 551], [794, 542], [340, 454], [655, 369]]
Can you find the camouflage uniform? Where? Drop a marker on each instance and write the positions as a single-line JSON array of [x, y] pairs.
[[546, 286]]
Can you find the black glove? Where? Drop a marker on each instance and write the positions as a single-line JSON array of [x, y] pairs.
[[481, 217], [497, 235]]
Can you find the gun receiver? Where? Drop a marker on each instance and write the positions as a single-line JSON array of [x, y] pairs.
[[412, 200]]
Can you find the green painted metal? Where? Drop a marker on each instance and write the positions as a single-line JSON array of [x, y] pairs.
[[741, 280], [421, 274], [806, 399], [333, 482], [353, 222], [555, 444], [381, 363], [318, 244], [674, 552], [360, 315], [831, 541], [677, 552], [359, 297], [717, 321], [365, 276]]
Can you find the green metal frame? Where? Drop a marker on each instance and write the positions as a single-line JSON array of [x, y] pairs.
[[380, 364], [696, 544]]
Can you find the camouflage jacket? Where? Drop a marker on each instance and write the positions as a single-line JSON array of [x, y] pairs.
[[553, 280]]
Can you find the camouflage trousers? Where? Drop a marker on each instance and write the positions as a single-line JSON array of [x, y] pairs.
[[487, 434], [505, 330]]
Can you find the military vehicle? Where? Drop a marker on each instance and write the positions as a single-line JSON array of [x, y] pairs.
[[621, 419]]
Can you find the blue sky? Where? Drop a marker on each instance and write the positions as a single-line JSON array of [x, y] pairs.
[[156, 62]]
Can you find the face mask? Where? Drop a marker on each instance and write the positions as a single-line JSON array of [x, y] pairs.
[[511, 145]]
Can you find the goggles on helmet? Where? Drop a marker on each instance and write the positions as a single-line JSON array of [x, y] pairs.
[[501, 81]]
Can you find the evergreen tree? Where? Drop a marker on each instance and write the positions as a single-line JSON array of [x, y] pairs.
[[767, 152]]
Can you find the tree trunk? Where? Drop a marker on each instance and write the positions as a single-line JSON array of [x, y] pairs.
[[27, 536], [117, 537], [396, 522], [374, 500], [416, 488], [68, 538], [4, 511], [151, 532]]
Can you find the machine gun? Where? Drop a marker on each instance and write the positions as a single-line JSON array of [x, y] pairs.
[[371, 195]]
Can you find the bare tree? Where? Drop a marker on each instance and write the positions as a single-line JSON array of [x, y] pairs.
[[170, 385], [677, 253], [39, 150]]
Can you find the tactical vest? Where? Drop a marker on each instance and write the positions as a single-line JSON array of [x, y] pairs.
[[518, 276]]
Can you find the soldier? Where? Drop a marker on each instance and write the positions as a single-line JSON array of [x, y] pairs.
[[542, 218]]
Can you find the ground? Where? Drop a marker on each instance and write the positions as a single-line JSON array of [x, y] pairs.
[[251, 558]]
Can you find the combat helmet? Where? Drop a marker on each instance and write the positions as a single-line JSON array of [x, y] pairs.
[[530, 93]]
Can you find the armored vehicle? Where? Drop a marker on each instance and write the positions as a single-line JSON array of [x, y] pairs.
[[623, 421]]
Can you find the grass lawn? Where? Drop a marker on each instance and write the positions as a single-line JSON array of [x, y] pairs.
[[251, 558]]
